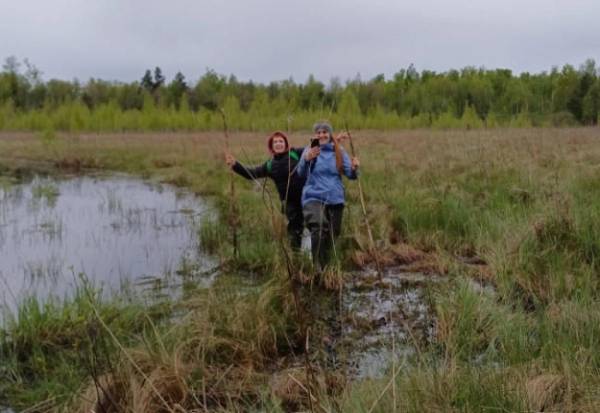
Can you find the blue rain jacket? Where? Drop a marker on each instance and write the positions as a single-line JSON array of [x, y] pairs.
[[323, 182]]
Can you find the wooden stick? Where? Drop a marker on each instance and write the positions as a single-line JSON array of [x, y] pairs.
[[393, 348], [233, 216], [373, 251]]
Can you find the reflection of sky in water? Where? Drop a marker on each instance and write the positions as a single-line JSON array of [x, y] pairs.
[[115, 230], [396, 315]]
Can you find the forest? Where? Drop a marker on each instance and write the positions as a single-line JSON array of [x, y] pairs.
[[468, 98]]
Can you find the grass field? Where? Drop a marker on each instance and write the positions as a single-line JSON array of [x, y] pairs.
[[516, 209]]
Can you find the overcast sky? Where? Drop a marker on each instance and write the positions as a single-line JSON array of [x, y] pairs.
[[267, 40]]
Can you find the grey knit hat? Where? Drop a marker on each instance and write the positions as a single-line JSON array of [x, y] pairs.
[[322, 124]]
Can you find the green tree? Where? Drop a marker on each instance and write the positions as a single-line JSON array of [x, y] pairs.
[[11, 65], [566, 90], [159, 79], [312, 94], [349, 108], [98, 92], [591, 104], [131, 96], [208, 90], [59, 92], [176, 89], [147, 82]]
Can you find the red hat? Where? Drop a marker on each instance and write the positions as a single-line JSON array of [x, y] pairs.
[[275, 134]]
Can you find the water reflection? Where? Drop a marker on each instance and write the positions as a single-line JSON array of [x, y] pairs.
[[117, 230], [386, 323]]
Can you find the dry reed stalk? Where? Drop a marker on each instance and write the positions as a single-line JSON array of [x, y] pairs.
[[130, 358], [104, 401], [393, 348], [364, 212], [384, 391], [287, 386], [309, 371], [546, 391], [233, 214], [47, 405]]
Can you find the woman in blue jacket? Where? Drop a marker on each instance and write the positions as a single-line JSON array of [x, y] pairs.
[[323, 194]]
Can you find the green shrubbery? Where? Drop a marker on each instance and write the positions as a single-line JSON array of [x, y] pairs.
[[77, 117], [469, 98]]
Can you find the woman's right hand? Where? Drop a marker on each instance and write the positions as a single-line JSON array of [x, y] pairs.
[[312, 153], [229, 159]]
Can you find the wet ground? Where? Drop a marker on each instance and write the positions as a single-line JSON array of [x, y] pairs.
[[125, 232], [369, 326], [117, 230], [385, 321]]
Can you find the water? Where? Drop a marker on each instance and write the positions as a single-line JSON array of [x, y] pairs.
[[388, 321], [117, 230]]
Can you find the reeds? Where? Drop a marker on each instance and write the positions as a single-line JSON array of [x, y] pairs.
[[516, 210]]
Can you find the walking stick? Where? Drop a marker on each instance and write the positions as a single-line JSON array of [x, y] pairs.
[[233, 219], [289, 124], [372, 248]]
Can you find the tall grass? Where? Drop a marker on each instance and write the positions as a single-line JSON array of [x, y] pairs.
[[512, 209], [48, 348]]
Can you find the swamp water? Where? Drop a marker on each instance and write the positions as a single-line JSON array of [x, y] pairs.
[[387, 321], [123, 232], [117, 230]]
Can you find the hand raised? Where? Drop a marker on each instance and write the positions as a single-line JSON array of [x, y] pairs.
[[229, 159], [312, 153], [341, 137]]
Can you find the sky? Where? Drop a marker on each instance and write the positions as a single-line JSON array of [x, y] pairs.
[[272, 40]]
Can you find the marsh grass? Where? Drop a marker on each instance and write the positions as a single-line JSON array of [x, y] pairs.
[[45, 190], [521, 203], [46, 347]]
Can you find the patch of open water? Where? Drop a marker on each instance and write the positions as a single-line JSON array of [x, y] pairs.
[[386, 321], [117, 230]]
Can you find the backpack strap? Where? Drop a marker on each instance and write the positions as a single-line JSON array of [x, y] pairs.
[[269, 165]]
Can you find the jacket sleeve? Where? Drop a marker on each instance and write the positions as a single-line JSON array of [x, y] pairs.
[[350, 174], [252, 172], [302, 166]]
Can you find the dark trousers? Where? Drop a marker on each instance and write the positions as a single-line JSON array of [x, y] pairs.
[[295, 226], [325, 224]]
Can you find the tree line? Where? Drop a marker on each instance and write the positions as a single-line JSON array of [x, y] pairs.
[[470, 97]]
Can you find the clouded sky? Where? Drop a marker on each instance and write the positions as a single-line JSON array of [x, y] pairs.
[[267, 40]]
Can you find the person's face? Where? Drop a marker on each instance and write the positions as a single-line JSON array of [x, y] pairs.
[[278, 144], [322, 135]]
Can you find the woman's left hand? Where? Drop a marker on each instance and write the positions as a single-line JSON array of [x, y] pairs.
[[355, 163]]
